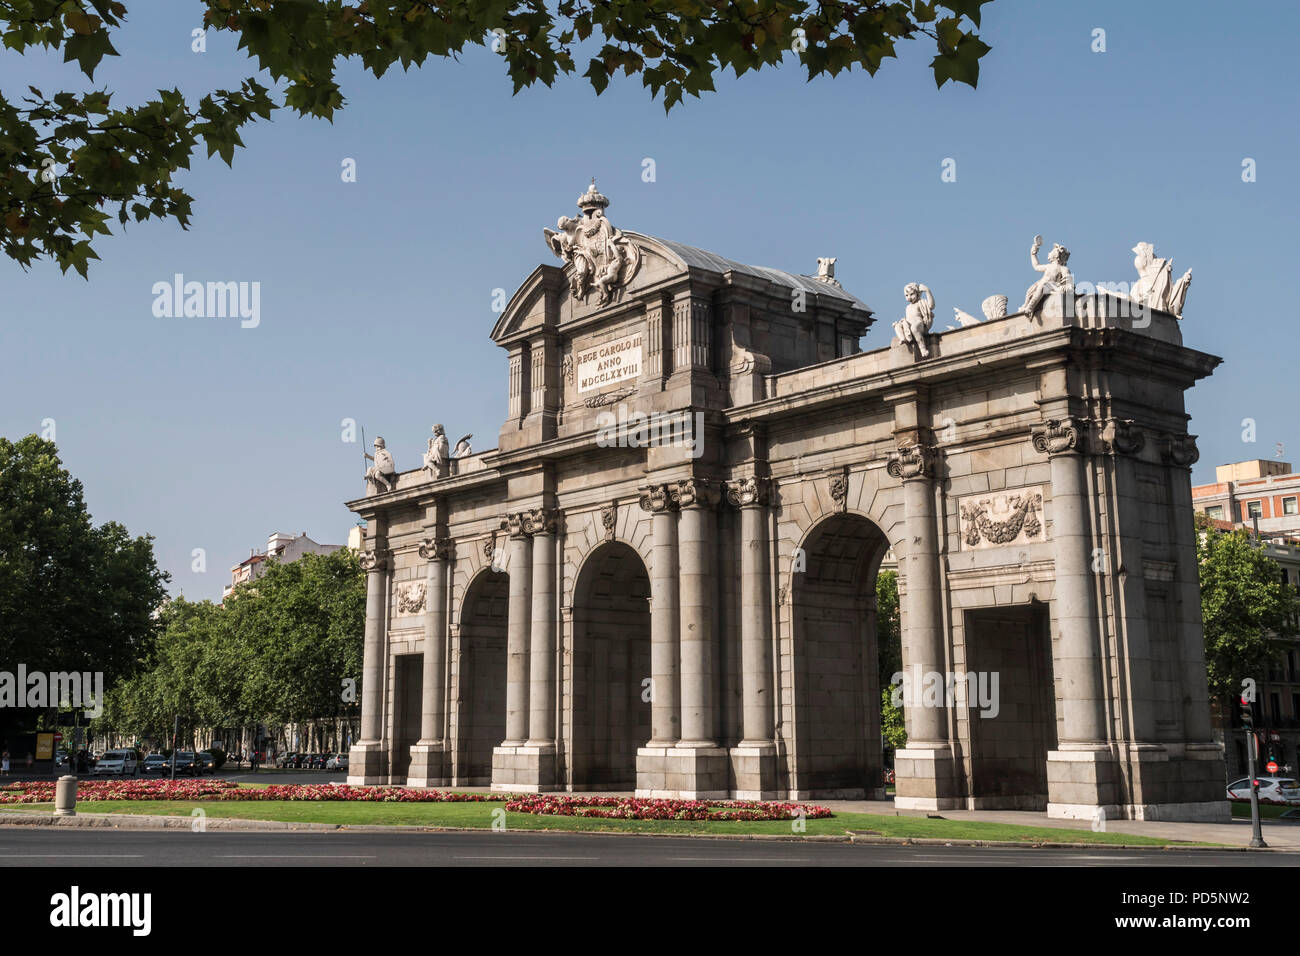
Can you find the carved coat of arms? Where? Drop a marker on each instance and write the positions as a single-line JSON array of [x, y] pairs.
[[600, 256], [1001, 519]]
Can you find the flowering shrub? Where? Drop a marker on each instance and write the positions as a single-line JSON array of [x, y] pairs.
[[632, 808]]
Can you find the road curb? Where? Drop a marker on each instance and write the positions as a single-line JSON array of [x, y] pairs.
[[866, 838]]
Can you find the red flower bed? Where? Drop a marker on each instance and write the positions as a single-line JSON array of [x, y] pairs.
[[42, 791], [632, 808]]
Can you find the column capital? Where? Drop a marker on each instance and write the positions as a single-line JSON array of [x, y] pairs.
[[435, 548], [1059, 436], [913, 462], [1179, 450], [542, 521], [749, 492], [696, 493], [373, 561], [656, 498], [1120, 436]]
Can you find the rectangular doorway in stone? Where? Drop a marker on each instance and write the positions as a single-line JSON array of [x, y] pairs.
[[1008, 705], [408, 685]]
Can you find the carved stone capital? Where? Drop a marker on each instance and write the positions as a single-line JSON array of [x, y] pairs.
[[750, 492], [514, 526], [1180, 450], [696, 493], [372, 561], [1121, 436], [1057, 436], [543, 520], [913, 462], [435, 549], [656, 498]]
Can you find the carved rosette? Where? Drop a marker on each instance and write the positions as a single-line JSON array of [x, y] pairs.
[[609, 519], [913, 462], [696, 493], [1180, 450], [1058, 436], [656, 498], [1121, 436], [372, 561], [435, 549], [750, 492]]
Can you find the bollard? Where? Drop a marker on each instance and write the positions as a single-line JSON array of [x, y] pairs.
[[65, 797]]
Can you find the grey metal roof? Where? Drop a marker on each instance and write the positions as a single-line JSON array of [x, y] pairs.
[[703, 259]]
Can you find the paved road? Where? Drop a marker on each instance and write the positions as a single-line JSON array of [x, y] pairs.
[[44, 847]]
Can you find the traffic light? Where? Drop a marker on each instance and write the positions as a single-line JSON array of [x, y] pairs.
[[1247, 713]]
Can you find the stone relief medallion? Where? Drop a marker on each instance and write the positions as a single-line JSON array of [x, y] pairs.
[[994, 520], [410, 597]]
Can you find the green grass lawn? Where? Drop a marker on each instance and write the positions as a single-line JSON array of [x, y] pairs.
[[479, 816], [1266, 810]]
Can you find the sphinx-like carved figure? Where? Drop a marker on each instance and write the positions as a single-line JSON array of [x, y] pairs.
[[916, 321]]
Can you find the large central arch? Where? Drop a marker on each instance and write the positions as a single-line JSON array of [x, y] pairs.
[[611, 667], [836, 684]]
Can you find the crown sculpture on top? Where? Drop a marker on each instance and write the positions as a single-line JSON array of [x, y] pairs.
[[600, 255]]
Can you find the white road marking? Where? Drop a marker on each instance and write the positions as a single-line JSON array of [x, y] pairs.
[[294, 856], [499, 857]]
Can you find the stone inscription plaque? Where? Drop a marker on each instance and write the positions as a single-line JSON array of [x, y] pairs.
[[609, 363]]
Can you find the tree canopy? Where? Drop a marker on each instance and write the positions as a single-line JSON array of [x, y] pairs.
[[1245, 607], [73, 596], [70, 161], [277, 651]]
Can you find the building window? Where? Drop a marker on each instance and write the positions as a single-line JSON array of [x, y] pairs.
[[1254, 509], [1275, 705], [1216, 511], [1289, 506]]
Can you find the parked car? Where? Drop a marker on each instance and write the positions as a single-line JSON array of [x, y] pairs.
[[1271, 789], [318, 761], [60, 758], [156, 763], [337, 762], [124, 762]]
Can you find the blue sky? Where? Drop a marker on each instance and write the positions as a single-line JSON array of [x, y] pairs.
[[376, 296]]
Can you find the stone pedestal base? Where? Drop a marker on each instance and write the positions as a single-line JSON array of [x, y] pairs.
[[683, 773], [428, 765], [524, 768], [753, 767], [925, 779], [1171, 782], [367, 764], [1083, 784]]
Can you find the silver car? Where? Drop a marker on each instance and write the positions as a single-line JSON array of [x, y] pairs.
[[124, 762]]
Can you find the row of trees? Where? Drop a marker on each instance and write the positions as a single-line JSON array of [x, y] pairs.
[[283, 649]]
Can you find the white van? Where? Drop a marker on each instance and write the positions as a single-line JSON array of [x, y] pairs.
[[118, 761]]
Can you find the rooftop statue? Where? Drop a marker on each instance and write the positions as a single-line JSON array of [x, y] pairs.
[[435, 455], [1056, 277], [1154, 287], [916, 321], [383, 471], [600, 255]]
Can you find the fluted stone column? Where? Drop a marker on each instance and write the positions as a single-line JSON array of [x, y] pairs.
[[753, 760], [665, 620], [541, 635], [367, 763], [1081, 772], [517, 626], [526, 760], [924, 769], [428, 756], [698, 764]]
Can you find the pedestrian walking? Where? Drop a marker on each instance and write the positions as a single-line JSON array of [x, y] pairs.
[[4, 763]]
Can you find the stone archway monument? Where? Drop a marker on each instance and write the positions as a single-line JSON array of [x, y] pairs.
[[699, 475]]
